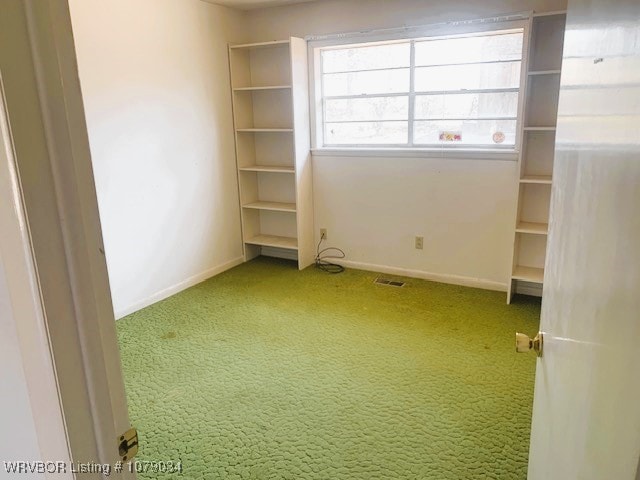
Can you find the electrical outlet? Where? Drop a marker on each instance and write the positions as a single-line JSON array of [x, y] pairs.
[[323, 233], [419, 243]]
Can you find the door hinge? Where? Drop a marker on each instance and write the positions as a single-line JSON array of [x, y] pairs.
[[128, 444]]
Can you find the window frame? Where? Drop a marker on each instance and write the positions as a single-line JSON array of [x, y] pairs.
[[315, 46]]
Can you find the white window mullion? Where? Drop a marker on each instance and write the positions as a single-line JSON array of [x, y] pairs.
[[471, 119], [341, 72], [470, 90], [412, 90], [366, 95], [324, 102]]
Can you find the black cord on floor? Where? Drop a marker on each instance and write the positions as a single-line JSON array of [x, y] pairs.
[[321, 258]]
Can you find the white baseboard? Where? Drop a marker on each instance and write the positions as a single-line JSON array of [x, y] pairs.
[[527, 289], [178, 287], [435, 277]]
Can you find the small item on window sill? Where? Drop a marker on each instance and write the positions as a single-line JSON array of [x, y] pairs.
[[498, 137], [450, 136]]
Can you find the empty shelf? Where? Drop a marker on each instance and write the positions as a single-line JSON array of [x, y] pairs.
[[543, 179], [265, 168], [540, 129], [544, 72], [275, 43], [528, 274], [274, 206], [268, 87], [264, 130], [532, 227], [274, 241]]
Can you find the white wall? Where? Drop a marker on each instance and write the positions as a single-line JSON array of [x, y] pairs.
[[154, 75], [374, 207], [333, 16], [155, 82]]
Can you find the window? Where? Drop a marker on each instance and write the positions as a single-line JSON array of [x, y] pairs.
[[445, 92]]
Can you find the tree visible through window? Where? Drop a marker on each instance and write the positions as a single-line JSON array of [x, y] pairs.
[[425, 92]]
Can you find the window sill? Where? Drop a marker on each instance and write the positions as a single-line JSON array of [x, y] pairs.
[[458, 153]]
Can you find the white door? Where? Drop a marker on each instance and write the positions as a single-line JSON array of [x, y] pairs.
[[47, 162], [586, 412]]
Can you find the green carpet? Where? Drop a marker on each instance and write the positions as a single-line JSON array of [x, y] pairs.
[[264, 372]]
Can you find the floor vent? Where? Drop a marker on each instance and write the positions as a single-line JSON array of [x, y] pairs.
[[391, 283]]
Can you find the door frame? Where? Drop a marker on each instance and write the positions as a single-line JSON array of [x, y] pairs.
[[54, 189], [26, 313]]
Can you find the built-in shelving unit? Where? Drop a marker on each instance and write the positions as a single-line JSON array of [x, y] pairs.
[[270, 107], [536, 155]]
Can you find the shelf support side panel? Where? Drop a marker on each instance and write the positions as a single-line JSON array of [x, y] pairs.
[[302, 152]]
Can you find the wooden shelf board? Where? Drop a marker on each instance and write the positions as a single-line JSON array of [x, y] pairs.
[[274, 130], [274, 206], [532, 227], [533, 130], [540, 179], [275, 43], [267, 87], [544, 72], [540, 129], [267, 168], [528, 274], [273, 241]]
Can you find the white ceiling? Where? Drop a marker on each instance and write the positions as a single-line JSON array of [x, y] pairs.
[[251, 4]]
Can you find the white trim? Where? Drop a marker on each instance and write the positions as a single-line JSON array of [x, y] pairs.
[[178, 287], [526, 53], [459, 154], [412, 94], [524, 81], [434, 277], [26, 311]]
